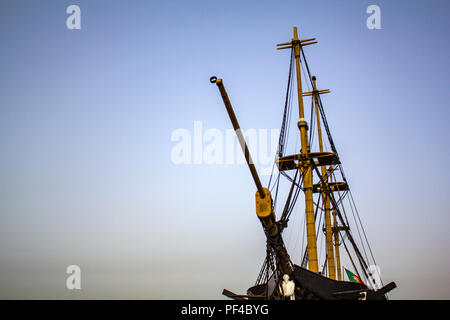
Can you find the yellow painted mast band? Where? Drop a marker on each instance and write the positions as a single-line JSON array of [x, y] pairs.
[[325, 198]]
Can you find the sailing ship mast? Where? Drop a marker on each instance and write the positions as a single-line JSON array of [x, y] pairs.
[[310, 283], [306, 167], [325, 198]]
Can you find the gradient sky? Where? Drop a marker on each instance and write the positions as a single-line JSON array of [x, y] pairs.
[[86, 118]]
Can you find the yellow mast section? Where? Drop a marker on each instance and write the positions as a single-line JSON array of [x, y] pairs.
[[336, 239], [306, 167], [326, 199], [305, 164]]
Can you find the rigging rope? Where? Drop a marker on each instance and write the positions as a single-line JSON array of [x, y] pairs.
[[296, 182], [286, 113], [333, 148]]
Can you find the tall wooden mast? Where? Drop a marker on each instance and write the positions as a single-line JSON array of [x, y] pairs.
[[325, 198], [306, 166], [336, 239]]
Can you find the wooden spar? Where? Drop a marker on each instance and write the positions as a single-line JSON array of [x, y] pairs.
[[325, 197], [264, 205], [336, 240], [313, 264], [239, 134]]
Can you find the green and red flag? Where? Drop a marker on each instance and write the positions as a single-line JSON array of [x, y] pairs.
[[353, 277]]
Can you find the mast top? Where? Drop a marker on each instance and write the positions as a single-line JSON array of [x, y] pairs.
[[304, 42]]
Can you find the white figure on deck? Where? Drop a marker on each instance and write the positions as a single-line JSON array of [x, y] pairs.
[[374, 277], [288, 287]]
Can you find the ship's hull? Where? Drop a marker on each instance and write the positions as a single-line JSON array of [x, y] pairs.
[[313, 286]]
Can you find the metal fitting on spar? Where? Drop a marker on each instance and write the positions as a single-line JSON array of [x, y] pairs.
[[302, 123], [214, 79]]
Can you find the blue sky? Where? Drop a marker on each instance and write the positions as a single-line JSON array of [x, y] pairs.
[[86, 118]]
